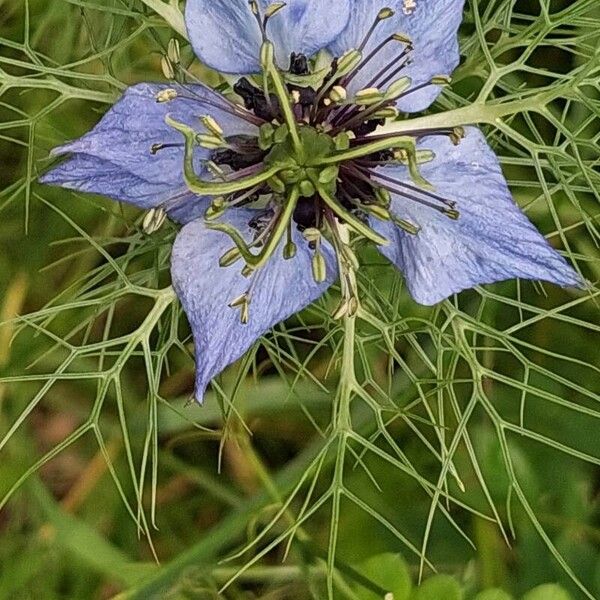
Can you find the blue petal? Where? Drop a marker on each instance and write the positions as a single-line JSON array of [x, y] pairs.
[[491, 241], [283, 287], [114, 159], [226, 36], [433, 27]]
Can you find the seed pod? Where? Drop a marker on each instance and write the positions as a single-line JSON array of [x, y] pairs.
[[353, 306], [341, 311]]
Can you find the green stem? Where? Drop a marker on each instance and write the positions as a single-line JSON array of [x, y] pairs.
[[342, 418], [347, 376], [472, 114], [170, 13], [208, 188]]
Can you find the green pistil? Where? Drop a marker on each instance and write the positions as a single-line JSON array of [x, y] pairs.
[[209, 188], [347, 217], [397, 142], [268, 63], [256, 261]]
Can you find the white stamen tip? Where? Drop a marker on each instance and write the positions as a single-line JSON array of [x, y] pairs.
[[166, 95]]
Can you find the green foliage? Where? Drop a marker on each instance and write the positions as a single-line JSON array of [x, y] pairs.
[[493, 594], [548, 591], [473, 447], [440, 586], [390, 572]]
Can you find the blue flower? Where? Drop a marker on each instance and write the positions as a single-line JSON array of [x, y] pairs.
[[273, 191]]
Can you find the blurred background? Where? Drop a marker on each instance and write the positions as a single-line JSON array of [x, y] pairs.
[[481, 463]]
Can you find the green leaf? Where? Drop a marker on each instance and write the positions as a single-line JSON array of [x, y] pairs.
[[438, 587], [548, 591], [388, 571]]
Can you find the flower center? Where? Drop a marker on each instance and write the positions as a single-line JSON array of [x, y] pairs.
[[316, 163]]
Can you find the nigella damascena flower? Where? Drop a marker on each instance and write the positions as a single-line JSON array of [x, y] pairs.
[[274, 181]]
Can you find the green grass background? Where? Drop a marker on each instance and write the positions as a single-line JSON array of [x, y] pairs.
[[487, 426]]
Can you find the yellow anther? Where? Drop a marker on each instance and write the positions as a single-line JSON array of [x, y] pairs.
[[167, 68], [397, 88], [173, 51], [210, 142], [368, 96], [289, 251], [166, 95], [338, 94], [319, 267], [385, 13], [402, 38], [212, 126], [243, 303], [407, 226], [273, 9], [230, 257], [348, 62], [312, 234], [154, 220], [441, 80]]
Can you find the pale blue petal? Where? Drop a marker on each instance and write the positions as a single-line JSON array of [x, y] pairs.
[[226, 36], [205, 289], [491, 241], [86, 173], [114, 159], [432, 26]]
